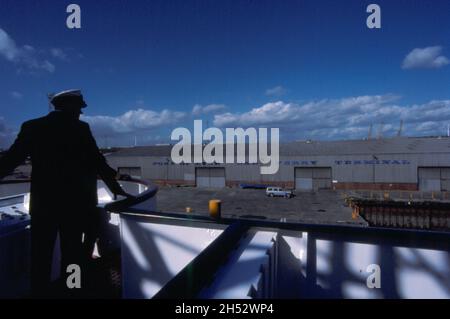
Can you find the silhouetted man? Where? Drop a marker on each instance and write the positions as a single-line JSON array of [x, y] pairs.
[[65, 164]]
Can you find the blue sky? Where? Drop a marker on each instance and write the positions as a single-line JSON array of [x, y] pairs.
[[312, 68]]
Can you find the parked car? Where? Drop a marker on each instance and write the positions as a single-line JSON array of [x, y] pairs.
[[278, 192]]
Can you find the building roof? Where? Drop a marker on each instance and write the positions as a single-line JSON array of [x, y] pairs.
[[398, 145]]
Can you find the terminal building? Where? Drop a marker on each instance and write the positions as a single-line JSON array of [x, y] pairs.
[[401, 163]]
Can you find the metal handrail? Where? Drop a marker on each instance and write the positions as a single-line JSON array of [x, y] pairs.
[[362, 234], [119, 205]]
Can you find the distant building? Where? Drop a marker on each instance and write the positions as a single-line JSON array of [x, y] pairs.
[[399, 163]]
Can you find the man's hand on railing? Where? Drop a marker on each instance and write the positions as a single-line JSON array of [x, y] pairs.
[[123, 193]]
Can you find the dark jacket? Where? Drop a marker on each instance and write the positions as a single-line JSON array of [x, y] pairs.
[[65, 163]]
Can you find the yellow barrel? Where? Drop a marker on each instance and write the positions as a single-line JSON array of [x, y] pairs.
[[214, 208]]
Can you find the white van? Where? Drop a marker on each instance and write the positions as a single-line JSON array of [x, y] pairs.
[[278, 192]]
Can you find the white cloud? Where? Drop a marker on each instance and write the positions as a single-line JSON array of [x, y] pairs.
[[198, 109], [23, 56], [343, 118], [425, 58], [16, 95], [59, 53], [276, 91], [132, 121]]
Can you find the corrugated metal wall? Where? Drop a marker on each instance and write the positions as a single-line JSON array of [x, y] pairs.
[[385, 168]]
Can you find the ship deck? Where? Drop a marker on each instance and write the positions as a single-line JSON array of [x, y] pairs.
[[147, 253]]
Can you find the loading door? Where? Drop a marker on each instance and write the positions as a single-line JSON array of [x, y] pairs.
[[312, 178], [210, 177], [434, 179]]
